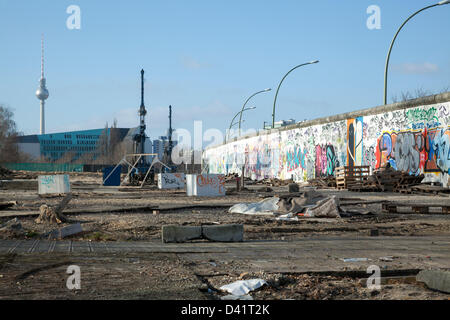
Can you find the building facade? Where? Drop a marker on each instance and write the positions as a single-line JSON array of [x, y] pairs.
[[55, 146]]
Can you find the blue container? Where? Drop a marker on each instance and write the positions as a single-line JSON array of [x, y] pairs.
[[114, 176]]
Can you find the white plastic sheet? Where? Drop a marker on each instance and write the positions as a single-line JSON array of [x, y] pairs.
[[242, 287], [264, 207], [288, 217], [232, 297]]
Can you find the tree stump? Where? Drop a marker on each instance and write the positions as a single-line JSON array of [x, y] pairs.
[[49, 214]]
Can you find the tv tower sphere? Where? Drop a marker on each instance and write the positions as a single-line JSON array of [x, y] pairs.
[[42, 92]]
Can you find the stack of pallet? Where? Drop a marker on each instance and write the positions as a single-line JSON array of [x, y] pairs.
[[407, 182], [355, 178], [387, 179], [396, 181]]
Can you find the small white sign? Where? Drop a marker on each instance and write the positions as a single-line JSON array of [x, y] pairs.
[[171, 180], [205, 185], [53, 184]]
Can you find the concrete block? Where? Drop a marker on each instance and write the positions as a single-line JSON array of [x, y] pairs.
[[174, 233], [224, 233], [435, 279], [171, 180], [205, 185], [53, 184], [66, 231]]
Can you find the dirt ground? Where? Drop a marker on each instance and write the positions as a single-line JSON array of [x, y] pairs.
[[170, 277], [128, 214]]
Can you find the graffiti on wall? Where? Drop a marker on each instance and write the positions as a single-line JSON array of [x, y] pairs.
[[415, 151], [416, 140], [326, 161], [355, 141]]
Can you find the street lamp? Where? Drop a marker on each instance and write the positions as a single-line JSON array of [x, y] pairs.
[[242, 111], [278, 89], [395, 37], [236, 123], [231, 123]]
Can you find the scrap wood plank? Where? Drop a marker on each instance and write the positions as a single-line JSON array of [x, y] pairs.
[[393, 207], [430, 189]]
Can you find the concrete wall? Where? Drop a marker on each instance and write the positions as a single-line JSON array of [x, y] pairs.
[[412, 136]]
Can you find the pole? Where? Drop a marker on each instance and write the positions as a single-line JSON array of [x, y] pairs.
[[278, 89], [242, 110], [395, 37]]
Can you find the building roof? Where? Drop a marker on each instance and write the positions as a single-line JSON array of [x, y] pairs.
[[34, 138]]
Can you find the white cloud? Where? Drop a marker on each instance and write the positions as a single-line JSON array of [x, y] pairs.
[[416, 68], [193, 64]]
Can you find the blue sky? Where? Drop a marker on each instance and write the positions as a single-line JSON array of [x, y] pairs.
[[206, 57]]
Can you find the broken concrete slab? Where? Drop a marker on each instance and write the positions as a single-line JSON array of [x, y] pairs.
[[65, 232], [224, 233], [435, 279], [173, 233]]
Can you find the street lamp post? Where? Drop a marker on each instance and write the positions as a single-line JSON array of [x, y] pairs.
[[242, 111], [278, 89], [231, 123], [395, 37]]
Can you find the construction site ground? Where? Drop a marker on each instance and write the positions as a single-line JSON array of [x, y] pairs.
[[121, 255]]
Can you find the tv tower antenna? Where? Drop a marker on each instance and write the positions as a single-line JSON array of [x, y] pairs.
[[42, 92]]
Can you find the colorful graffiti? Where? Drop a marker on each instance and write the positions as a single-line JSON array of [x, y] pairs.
[[416, 140], [326, 161], [421, 114], [355, 141], [415, 151], [296, 158]]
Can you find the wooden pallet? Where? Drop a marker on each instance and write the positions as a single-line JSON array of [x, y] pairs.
[[387, 180], [351, 176], [417, 208], [406, 182], [367, 186]]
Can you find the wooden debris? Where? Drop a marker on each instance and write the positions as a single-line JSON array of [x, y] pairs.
[[428, 189], [323, 182], [422, 208]]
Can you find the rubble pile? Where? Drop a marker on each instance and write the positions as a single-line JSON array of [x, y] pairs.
[[12, 228], [5, 174]]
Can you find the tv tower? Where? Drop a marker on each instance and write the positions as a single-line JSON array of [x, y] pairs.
[[42, 92]]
